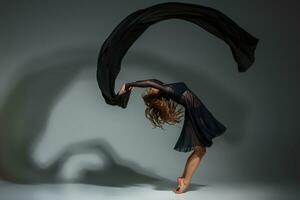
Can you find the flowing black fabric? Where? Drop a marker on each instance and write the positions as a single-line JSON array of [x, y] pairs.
[[241, 43]]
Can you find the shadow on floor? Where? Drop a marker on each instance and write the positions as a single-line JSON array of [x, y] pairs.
[[116, 171]]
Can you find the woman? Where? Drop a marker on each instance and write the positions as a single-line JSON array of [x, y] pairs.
[[199, 127]]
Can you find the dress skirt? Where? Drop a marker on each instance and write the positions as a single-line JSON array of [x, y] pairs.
[[199, 127]]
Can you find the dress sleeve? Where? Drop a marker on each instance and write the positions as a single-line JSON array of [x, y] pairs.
[[148, 83], [122, 100]]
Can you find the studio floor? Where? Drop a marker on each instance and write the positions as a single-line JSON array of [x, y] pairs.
[[224, 191]]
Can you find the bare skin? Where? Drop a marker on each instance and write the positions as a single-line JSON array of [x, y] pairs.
[[122, 89], [191, 165], [192, 162]]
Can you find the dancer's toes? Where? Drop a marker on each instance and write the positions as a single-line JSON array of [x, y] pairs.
[[183, 186]]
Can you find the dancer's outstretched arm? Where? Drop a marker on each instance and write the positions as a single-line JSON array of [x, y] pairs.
[[147, 83]]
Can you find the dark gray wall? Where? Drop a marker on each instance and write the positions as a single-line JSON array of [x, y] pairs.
[[55, 123]]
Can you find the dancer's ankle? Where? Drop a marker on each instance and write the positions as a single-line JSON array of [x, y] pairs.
[[186, 181]]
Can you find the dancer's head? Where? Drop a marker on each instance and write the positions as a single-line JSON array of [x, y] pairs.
[[160, 110]]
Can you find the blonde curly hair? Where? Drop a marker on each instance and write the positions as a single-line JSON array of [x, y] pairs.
[[160, 110]]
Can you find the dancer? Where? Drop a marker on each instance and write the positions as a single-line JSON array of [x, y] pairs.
[[199, 128], [161, 99]]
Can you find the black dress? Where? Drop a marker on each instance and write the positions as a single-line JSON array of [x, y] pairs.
[[199, 127]]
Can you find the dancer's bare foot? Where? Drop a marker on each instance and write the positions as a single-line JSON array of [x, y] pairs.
[[179, 179], [178, 182], [183, 185]]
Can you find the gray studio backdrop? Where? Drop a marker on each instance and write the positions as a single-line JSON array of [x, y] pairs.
[[55, 124]]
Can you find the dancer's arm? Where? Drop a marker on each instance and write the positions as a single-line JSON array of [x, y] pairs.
[[147, 83]]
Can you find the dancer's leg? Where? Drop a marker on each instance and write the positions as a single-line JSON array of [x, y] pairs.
[[193, 162], [191, 165], [198, 151]]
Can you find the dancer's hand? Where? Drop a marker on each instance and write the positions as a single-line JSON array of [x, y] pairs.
[[123, 89]]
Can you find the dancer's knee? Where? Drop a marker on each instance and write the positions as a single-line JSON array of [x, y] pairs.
[[200, 150]]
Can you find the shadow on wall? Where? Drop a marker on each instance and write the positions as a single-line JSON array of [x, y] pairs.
[[25, 112]]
